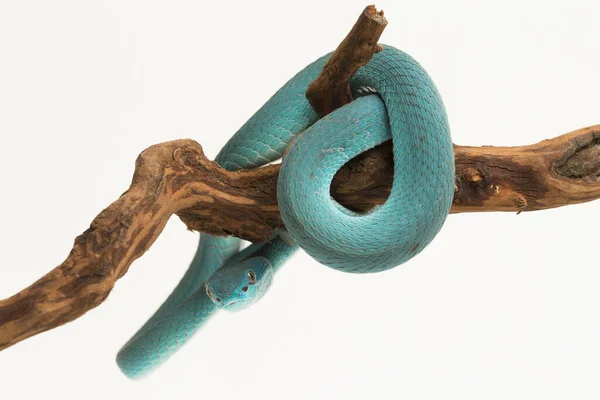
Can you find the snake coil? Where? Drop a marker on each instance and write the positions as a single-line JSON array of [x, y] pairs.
[[397, 100]]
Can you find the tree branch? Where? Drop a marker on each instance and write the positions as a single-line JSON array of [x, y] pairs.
[[330, 90], [177, 178]]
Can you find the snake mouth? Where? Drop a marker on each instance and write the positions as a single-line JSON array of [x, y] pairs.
[[233, 306], [218, 301]]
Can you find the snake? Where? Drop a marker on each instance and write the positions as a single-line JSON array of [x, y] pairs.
[[394, 98]]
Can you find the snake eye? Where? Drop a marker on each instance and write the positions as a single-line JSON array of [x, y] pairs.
[[251, 277]]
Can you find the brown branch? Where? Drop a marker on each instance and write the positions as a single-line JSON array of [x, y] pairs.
[[553, 173], [177, 178], [330, 90], [169, 177]]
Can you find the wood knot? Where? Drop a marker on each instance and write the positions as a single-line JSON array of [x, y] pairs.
[[584, 163], [189, 155], [472, 175], [520, 202]]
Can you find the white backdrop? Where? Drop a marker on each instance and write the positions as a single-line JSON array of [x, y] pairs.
[[497, 307]]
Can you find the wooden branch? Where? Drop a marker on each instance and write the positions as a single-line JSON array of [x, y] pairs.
[[169, 177], [553, 173], [330, 90], [177, 178]]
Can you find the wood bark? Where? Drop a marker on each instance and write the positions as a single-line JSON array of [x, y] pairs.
[[177, 178]]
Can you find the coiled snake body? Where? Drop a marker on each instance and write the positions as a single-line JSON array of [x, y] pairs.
[[406, 108]]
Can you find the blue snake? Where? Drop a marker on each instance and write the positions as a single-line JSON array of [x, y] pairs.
[[395, 99]]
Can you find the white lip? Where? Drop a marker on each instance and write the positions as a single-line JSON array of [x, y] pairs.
[[220, 304]]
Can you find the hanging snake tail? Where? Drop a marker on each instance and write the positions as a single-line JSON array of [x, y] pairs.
[[175, 324], [211, 254], [145, 352], [262, 139]]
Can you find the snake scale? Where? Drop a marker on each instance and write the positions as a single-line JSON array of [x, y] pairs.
[[395, 99]]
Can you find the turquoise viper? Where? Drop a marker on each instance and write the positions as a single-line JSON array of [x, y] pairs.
[[397, 100]]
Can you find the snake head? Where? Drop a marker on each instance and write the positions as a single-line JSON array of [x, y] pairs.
[[238, 285]]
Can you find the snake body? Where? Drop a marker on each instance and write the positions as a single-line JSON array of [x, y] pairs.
[[406, 108]]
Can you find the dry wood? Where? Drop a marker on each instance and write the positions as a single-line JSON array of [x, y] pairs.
[[177, 178], [330, 90], [553, 173]]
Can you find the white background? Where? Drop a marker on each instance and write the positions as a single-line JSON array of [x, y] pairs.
[[498, 307]]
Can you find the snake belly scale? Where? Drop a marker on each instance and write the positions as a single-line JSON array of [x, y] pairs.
[[401, 103]]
